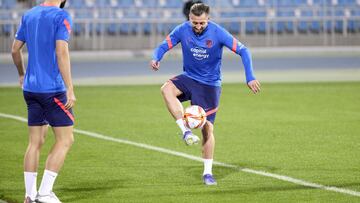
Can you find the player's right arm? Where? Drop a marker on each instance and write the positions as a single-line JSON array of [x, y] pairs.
[[171, 41]]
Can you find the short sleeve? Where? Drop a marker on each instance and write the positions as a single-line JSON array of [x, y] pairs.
[[20, 34], [64, 26]]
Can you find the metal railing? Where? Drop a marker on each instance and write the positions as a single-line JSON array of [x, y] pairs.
[[97, 33]]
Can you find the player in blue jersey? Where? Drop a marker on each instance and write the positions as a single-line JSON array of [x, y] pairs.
[[48, 92], [202, 43]]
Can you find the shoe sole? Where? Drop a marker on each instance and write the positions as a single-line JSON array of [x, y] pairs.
[[191, 141], [210, 184]]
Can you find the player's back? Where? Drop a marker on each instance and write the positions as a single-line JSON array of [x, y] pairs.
[[39, 23], [40, 28]]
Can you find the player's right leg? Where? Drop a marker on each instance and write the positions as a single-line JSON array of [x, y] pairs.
[[170, 93], [63, 140], [61, 120]]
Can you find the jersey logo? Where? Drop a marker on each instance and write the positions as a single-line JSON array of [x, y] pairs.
[[199, 53], [209, 43]]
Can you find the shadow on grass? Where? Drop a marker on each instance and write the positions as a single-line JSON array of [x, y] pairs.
[[8, 200], [219, 172], [89, 189]]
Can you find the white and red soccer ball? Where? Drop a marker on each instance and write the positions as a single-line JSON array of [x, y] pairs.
[[194, 117]]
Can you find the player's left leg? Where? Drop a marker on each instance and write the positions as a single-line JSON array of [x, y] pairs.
[[208, 146], [37, 136], [209, 103], [37, 131]]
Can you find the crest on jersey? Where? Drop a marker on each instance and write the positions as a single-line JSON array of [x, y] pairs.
[[209, 43]]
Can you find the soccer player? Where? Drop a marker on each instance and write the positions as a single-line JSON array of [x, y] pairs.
[[48, 92], [202, 43]]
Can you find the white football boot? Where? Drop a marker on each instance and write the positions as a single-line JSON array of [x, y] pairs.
[[50, 198], [190, 138]]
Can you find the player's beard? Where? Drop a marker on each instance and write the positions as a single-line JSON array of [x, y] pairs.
[[198, 31], [62, 5]]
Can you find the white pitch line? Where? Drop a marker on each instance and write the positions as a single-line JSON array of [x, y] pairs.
[[199, 159]]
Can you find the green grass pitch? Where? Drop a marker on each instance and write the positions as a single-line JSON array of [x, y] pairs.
[[308, 131]]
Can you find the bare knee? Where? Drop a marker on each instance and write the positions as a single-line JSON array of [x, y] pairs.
[[165, 89], [208, 130], [170, 90], [37, 143], [68, 141]]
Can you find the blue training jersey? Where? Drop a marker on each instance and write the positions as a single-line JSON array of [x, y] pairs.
[[202, 53], [40, 27]]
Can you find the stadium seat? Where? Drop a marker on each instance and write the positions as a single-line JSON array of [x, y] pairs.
[[102, 3], [78, 4], [319, 25], [248, 3], [286, 24], [171, 3], [347, 2], [129, 28], [261, 25], [226, 4], [339, 22], [125, 3], [8, 4], [250, 26], [303, 25], [323, 2], [157, 28], [83, 14], [7, 29], [211, 3], [109, 28], [149, 3], [232, 26], [354, 24]]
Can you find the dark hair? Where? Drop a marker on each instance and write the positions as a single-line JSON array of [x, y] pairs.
[[199, 9], [187, 6]]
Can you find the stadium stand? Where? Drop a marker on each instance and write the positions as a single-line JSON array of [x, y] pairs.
[[240, 17]]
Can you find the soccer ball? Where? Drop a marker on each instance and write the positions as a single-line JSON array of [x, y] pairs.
[[194, 117]]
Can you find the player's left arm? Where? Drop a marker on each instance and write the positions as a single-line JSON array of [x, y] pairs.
[[64, 24], [237, 47], [16, 52]]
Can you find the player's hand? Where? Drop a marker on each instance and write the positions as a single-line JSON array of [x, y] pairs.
[[155, 65], [70, 99], [21, 80], [254, 85]]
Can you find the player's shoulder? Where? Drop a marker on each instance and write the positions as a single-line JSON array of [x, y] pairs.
[[216, 27], [62, 15], [31, 11]]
